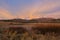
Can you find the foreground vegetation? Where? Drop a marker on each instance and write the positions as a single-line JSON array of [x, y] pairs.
[[39, 31], [34, 29]]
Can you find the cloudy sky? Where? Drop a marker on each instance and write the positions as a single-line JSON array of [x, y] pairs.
[[28, 9]]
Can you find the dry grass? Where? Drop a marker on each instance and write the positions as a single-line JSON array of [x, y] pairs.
[[30, 34]]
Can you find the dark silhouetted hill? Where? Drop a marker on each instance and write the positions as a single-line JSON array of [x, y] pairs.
[[38, 20], [45, 20]]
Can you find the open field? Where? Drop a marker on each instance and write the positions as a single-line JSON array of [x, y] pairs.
[[41, 25], [30, 31]]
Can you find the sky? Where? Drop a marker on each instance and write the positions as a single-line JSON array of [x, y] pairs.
[[29, 9]]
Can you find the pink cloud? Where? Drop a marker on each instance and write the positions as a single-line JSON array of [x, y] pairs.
[[6, 14], [34, 11]]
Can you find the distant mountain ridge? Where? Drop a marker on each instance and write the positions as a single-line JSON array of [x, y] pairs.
[[38, 20], [44, 20]]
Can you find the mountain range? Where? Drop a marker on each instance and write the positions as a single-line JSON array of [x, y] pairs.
[[38, 20]]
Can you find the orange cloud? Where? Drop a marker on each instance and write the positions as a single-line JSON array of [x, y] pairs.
[[5, 14], [34, 11], [31, 11]]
